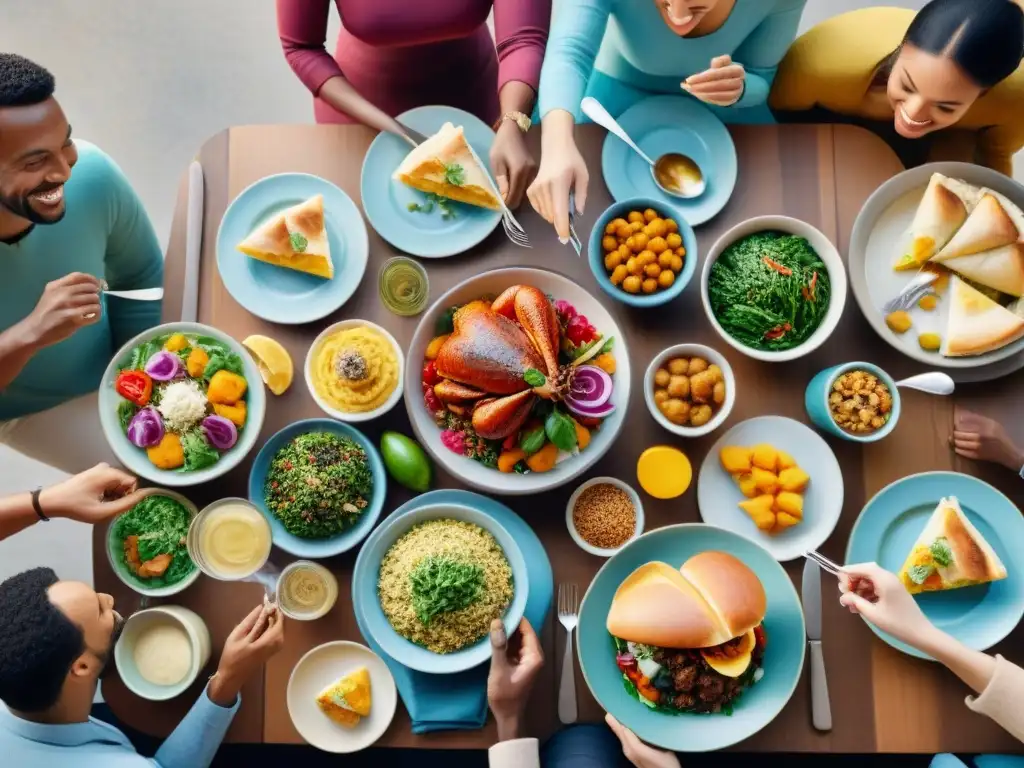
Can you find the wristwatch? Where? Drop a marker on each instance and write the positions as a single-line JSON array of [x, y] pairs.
[[520, 119]]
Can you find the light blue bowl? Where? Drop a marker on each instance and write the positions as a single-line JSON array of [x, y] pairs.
[[350, 537], [595, 253], [816, 402], [888, 528], [367, 603], [758, 706]]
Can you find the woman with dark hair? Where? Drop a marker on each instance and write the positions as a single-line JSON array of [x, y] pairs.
[[943, 84]]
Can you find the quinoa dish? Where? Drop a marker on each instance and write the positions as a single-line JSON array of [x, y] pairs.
[[443, 582]]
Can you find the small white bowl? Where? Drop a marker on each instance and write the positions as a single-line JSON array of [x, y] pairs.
[[825, 250], [713, 358], [334, 413], [124, 651], [633, 497]]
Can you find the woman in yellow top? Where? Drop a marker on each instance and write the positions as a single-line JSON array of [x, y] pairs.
[[944, 84]]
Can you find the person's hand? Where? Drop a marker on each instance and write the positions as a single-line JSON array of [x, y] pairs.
[[721, 84], [512, 163], [638, 753], [258, 637], [984, 439], [67, 304], [562, 170], [92, 496], [881, 599], [515, 663]]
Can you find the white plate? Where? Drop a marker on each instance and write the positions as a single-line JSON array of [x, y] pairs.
[[879, 236], [321, 667], [718, 496]]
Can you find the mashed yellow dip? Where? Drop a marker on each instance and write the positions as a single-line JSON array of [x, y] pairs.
[[355, 370]]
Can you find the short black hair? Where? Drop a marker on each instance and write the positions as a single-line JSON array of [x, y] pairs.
[[984, 37], [38, 643], [23, 83]]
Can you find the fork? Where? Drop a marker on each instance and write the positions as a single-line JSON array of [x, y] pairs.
[[513, 228], [865, 590], [573, 237], [911, 292], [568, 606]]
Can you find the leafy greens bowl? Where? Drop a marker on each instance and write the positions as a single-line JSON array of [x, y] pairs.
[[780, 290]]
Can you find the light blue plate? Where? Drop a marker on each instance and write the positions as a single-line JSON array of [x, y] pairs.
[[663, 124], [366, 601], [387, 201], [282, 295], [350, 537], [758, 706], [888, 528]]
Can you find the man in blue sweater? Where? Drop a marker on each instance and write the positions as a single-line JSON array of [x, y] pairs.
[[69, 223]]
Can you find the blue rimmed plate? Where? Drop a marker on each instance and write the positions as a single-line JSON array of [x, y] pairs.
[[888, 528], [758, 706], [387, 201], [282, 295], [663, 124]]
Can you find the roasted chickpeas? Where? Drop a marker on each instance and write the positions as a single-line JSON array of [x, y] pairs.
[[648, 246], [688, 391], [859, 402]]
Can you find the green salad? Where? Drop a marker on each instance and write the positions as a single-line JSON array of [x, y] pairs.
[[152, 536]]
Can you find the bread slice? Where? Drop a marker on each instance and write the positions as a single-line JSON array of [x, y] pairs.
[[295, 238], [348, 699], [942, 211], [988, 226], [1001, 268], [950, 553], [446, 165], [977, 324]]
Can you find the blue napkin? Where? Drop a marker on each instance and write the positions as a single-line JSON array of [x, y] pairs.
[[459, 702]]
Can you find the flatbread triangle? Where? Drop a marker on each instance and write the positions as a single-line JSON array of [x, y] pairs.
[[295, 238], [977, 324], [942, 211]]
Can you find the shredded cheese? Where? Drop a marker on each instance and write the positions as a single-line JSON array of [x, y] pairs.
[[182, 404]]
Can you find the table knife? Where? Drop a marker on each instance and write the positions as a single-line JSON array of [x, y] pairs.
[[193, 244], [821, 710]]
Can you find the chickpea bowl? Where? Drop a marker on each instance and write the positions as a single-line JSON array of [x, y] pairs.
[[854, 401], [642, 252], [690, 389]]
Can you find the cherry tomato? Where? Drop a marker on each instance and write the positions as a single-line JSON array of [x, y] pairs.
[[135, 386], [430, 375]]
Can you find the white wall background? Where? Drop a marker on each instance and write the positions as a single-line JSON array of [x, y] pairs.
[[149, 81]]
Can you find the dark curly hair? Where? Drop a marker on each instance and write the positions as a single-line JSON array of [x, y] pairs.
[[38, 643], [23, 82]]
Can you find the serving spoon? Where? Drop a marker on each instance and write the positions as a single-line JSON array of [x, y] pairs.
[[934, 383], [675, 174]]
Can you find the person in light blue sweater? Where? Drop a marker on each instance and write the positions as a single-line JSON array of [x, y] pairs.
[[69, 223], [722, 52], [56, 641]]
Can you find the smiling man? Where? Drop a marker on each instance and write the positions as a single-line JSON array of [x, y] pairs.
[[69, 222]]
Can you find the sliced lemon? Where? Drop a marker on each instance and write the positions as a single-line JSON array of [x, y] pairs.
[[274, 362]]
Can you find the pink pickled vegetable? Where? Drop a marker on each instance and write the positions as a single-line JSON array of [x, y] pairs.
[[220, 432], [164, 366], [146, 428]]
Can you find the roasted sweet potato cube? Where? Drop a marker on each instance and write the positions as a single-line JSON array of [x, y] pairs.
[[784, 520], [735, 459], [747, 485], [765, 456], [784, 461], [765, 481], [793, 479], [790, 503], [760, 511]]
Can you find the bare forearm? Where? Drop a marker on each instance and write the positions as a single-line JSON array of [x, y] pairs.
[[340, 94], [16, 514], [557, 128], [973, 667], [16, 348], [516, 96]]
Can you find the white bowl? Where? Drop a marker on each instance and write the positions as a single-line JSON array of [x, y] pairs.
[[319, 668], [691, 350], [824, 248], [633, 497], [334, 413], [124, 651], [467, 470]]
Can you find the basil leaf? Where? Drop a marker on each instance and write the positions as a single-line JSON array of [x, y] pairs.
[[941, 552], [532, 441], [920, 573], [561, 431], [534, 378], [298, 242], [454, 174]]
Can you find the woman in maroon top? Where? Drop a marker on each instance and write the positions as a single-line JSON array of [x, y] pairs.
[[393, 55]]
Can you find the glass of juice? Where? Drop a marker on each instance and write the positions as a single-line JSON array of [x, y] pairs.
[[230, 540], [306, 590]]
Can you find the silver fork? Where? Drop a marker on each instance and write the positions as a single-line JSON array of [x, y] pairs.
[[573, 237], [911, 292], [513, 228], [568, 607]]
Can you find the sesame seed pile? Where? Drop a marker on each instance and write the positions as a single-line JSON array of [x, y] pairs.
[[604, 516]]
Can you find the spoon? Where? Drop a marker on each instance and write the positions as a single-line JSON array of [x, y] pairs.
[[141, 294], [933, 383], [674, 173]]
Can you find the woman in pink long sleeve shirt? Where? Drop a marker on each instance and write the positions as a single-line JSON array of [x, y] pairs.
[[393, 55]]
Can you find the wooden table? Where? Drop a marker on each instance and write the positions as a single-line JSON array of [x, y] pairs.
[[882, 700]]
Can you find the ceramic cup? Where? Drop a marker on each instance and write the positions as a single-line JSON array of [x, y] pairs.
[[137, 624], [818, 391], [293, 607]]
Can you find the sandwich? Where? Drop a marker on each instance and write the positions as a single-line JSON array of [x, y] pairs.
[[446, 165], [977, 323], [295, 238], [950, 553], [942, 211], [347, 700], [689, 639]]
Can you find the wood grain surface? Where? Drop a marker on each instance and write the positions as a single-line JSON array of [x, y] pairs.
[[882, 700]]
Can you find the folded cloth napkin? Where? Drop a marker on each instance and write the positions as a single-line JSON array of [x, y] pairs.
[[459, 702]]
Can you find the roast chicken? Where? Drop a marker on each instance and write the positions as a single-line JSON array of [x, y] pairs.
[[483, 363]]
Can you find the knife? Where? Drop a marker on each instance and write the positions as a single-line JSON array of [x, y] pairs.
[[821, 711], [193, 244]]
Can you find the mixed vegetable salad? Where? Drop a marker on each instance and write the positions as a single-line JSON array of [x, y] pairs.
[[183, 400]]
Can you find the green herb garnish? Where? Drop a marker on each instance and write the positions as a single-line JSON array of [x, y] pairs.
[[534, 378], [561, 431], [446, 322], [126, 411], [298, 242], [532, 441], [920, 573], [941, 552], [442, 584], [222, 359], [454, 174], [199, 454]]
